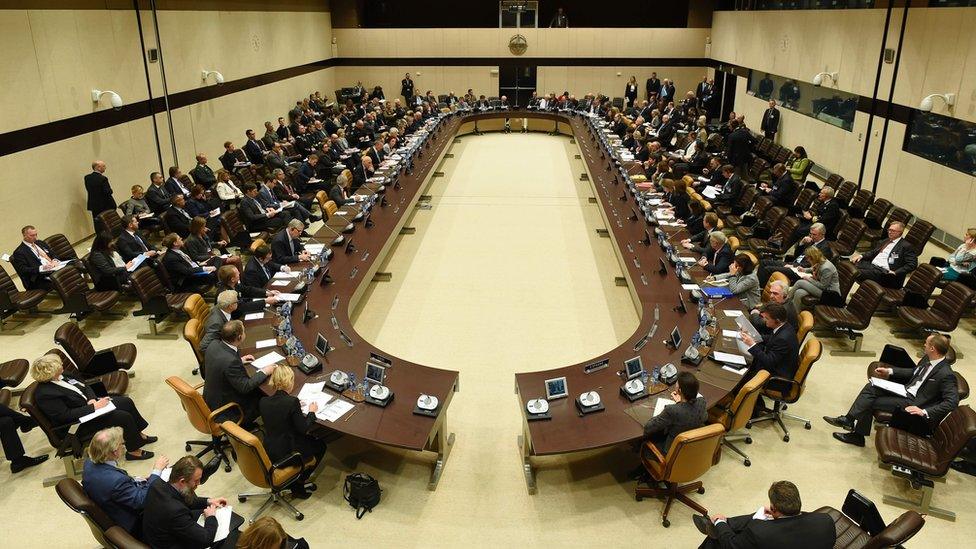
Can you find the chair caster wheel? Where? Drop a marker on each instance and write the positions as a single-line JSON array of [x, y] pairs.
[[299, 516], [701, 490], [638, 498], [187, 447], [666, 523], [241, 499], [786, 438], [747, 463], [311, 487], [227, 468], [748, 426], [807, 426], [748, 440]]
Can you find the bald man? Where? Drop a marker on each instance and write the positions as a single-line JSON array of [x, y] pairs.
[[99, 192]]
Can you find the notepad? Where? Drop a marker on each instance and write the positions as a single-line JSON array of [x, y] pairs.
[[730, 358], [223, 516], [282, 275], [738, 371], [279, 283], [288, 297], [691, 287], [710, 192], [136, 261], [164, 474], [660, 404], [264, 343], [110, 407], [334, 410], [254, 316], [267, 360], [730, 333], [732, 313], [314, 249], [890, 386]]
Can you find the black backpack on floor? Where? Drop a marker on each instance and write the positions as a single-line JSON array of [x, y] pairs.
[[362, 492]]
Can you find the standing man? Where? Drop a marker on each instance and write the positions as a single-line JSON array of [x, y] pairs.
[[770, 121], [406, 88], [559, 21], [99, 192], [653, 86]]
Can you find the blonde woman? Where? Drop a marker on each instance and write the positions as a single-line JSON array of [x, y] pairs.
[[701, 132], [341, 134], [630, 92], [226, 189], [960, 261], [267, 533], [815, 280]]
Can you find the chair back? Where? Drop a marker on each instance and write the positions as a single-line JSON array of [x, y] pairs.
[[69, 283], [197, 307], [748, 196], [196, 408], [952, 435], [773, 217], [848, 236], [761, 206], [786, 227], [74, 496], [28, 403], [809, 354], [804, 323], [951, 304], [734, 243], [75, 343], [8, 289], [230, 220], [251, 458], [330, 208], [878, 211], [923, 281], [193, 334], [61, 247], [898, 532], [864, 303], [834, 180], [151, 291], [776, 275], [845, 193], [805, 198], [920, 234], [745, 400], [692, 453], [112, 221], [847, 274], [862, 201], [900, 215], [322, 197], [118, 538]]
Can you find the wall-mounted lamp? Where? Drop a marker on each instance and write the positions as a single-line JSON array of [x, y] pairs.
[[116, 101], [818, 79], [927, 103], [218, 78]]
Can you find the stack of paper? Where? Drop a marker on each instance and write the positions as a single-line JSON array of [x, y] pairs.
[[660, 404], [334, 410], [282, 275], [312, 392], [267, 360], [223, 516]]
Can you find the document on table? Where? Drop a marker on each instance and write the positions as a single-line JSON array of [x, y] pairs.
[[730, 358], [334, 410], [313, 249], [289, 297], [223, 516], [110, 407], [890, 386], [267, 360], [312, 392], [282, 275], [686, 259], [266, 343], [732, 313], [280, 283], [710, 192], [661, 403], [730, 333], [734, 370], [254, 316], [691, 287]]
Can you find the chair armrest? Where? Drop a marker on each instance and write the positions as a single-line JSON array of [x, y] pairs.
[[657, 453], [224, 408], [199, 386], [293, 458], [902, 528], [776, 379]]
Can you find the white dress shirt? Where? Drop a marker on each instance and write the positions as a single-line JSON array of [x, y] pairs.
[[881, 260]]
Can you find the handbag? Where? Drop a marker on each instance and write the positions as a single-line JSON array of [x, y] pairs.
[[362, 492]]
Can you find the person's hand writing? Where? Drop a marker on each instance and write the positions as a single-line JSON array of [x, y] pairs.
[[313, 407], [152, 253], [210, 511], [101, 403], [703, 262], [219, 502], [247, 359], [915, 411]]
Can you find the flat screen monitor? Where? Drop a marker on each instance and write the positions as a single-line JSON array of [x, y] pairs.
[[675, 338], [321, 344], [556, 388], [375, 373], [634, 367]]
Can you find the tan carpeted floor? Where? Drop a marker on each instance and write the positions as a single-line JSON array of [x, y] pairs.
[[504, 274]]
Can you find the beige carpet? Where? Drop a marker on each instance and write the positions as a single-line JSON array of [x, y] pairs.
[[505, 273]]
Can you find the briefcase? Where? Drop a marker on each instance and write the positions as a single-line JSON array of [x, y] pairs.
[[916, 425], [103, 361]]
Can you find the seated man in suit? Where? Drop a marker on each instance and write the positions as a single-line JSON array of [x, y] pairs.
[[173, 185], [255, 216], [227, 381], [783, 190], [376, 152], [931, 391], [779, 292], [173, 509], [187, 275], [306, 172], [781, 524], [817, 237], [260, 268], [220, 314], [890, 262], [251, 299], [698, 242], [202, 173], [285, 246], [130, 243], [13, 448], [34, 261], [291, 210], [157, 196], [732, 189], [778, 353], [176, 216], [718, 256], [827, 213], [688, 412], [229, 160], [252, 149], [121, 497]]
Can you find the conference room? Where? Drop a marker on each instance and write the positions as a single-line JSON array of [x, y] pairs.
[[317, 272]]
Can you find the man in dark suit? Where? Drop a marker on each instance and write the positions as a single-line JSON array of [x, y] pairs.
[[406, 87], [275, 159], [13, 448], [283, 132], [305, 174], [718, 256], [176, 216], [931, 391], [688, 412], [186, 274], [255, 216], [34, 261], [783, 190], [890, 262], [732, 189], [667, 91], [285, 246], [252, 149], [221, 314], [227, 381], [129, 243], [817, 237], [653, 86], [121, 496], [99, 192], [376, 152], [250, 299], [739, 147], [827, 213], [173, 508], [782, 524], [779, 351], [770, 121], [202, 174], [173, 185], [260, 268], [667, 131], [157, 195]]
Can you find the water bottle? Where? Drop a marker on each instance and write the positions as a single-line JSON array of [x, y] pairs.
[[643, 377]]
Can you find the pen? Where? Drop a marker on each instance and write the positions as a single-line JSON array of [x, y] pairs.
[[351, 414]]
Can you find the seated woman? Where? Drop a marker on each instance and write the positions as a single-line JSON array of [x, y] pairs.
[[108, 270], [696, 218], [287, 427], [963, 260], [136, 205], [228, 192], [200, 249], [267, 533], [677, 198], [339, 191], [392, 143], [64, 399], [818, 279], [742, 281], [798, 166]]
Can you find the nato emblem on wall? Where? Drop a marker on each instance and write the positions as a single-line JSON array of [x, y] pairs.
[[517, 44]]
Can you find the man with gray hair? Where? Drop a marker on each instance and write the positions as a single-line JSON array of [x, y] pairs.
[[778, 293], [285, 246], [890, 262], [219, 315], [817, 238], [121, 496]]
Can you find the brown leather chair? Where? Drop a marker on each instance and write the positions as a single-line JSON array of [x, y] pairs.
[[770, 220], [196, 307], [70, 447], [920, 233], [258, 242], [852, 536], [918, 288], [193, 334], [116, 382], [118, 538], [775, 243], [112, 221], [254, 464], [804, 323], [61, 247], [728, 212], [736, 414], [236, 232], [805, 198], [863, 199], [329, 209], [848, 236], [894, 356], [202, 419], [158, 302], [78, 300], [77, 346], [845, 193], [900, 215], [787, 391], [943, 315], [875, 215], [850, 320], [846, 273], [13, 301], [74, 496], [691, 455], [13, 372], [834, 180], [925, 459]]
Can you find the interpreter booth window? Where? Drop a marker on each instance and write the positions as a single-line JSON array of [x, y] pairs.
[[947, 141], [823, 103]]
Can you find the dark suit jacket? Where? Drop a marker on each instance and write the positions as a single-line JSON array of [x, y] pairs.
[[254, 153], [62, 406], [902, 260], [250, 299], [255, 276], [227, 381], [285, 425], [119, 495], [203, 175], [200, 249], [770, 121], [803, 531], [939, 393], [778, 353], [158, 198], [172, 186], [731, 190], [275, 161], [105, 274], [169, 523], [180, 272], [828, 213], [783, 191], [177, 221], [99, 193], [739, 145], [305, 172], [227, 160], [28, 266], [211, 328], [653, 85], [676, 419], [376, 156], [281, 250], [130, 246], [253, 215], [665, 134], [718, 262]]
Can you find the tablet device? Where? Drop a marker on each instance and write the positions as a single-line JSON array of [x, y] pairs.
[[634, 367], [556, 388]]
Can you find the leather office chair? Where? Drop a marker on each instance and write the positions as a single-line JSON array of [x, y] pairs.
[[202, 419], [773, 277], [158, 302], [770, 221], [848, 236], [258, 242], [13, 372], [919, 235], [330, 208], [231, 222], [321, 197], [804, 323], [118, 538], [787, 391], [115, 382], [193, 332], [845, 193], [112, 221], [196, 307], [5, 396], [74, 496], [863, 199], [897, 214], [774, 244], [875, 215], [61, 247], [727, 211], [850, 320], [70, 447], [852, 536], [83, 354], [257, 468], [834, 180], [759, 170], [918, 288], [13, 301], [805, 199], [736, 414], [846, 274], [893, 356], [943, 315], [691, 455], [77, 299], [925, 459]]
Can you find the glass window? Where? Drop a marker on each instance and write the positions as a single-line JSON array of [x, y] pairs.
[[947, 141], [825, 104]]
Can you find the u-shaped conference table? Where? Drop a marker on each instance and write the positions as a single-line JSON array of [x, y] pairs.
[[397, 424]]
